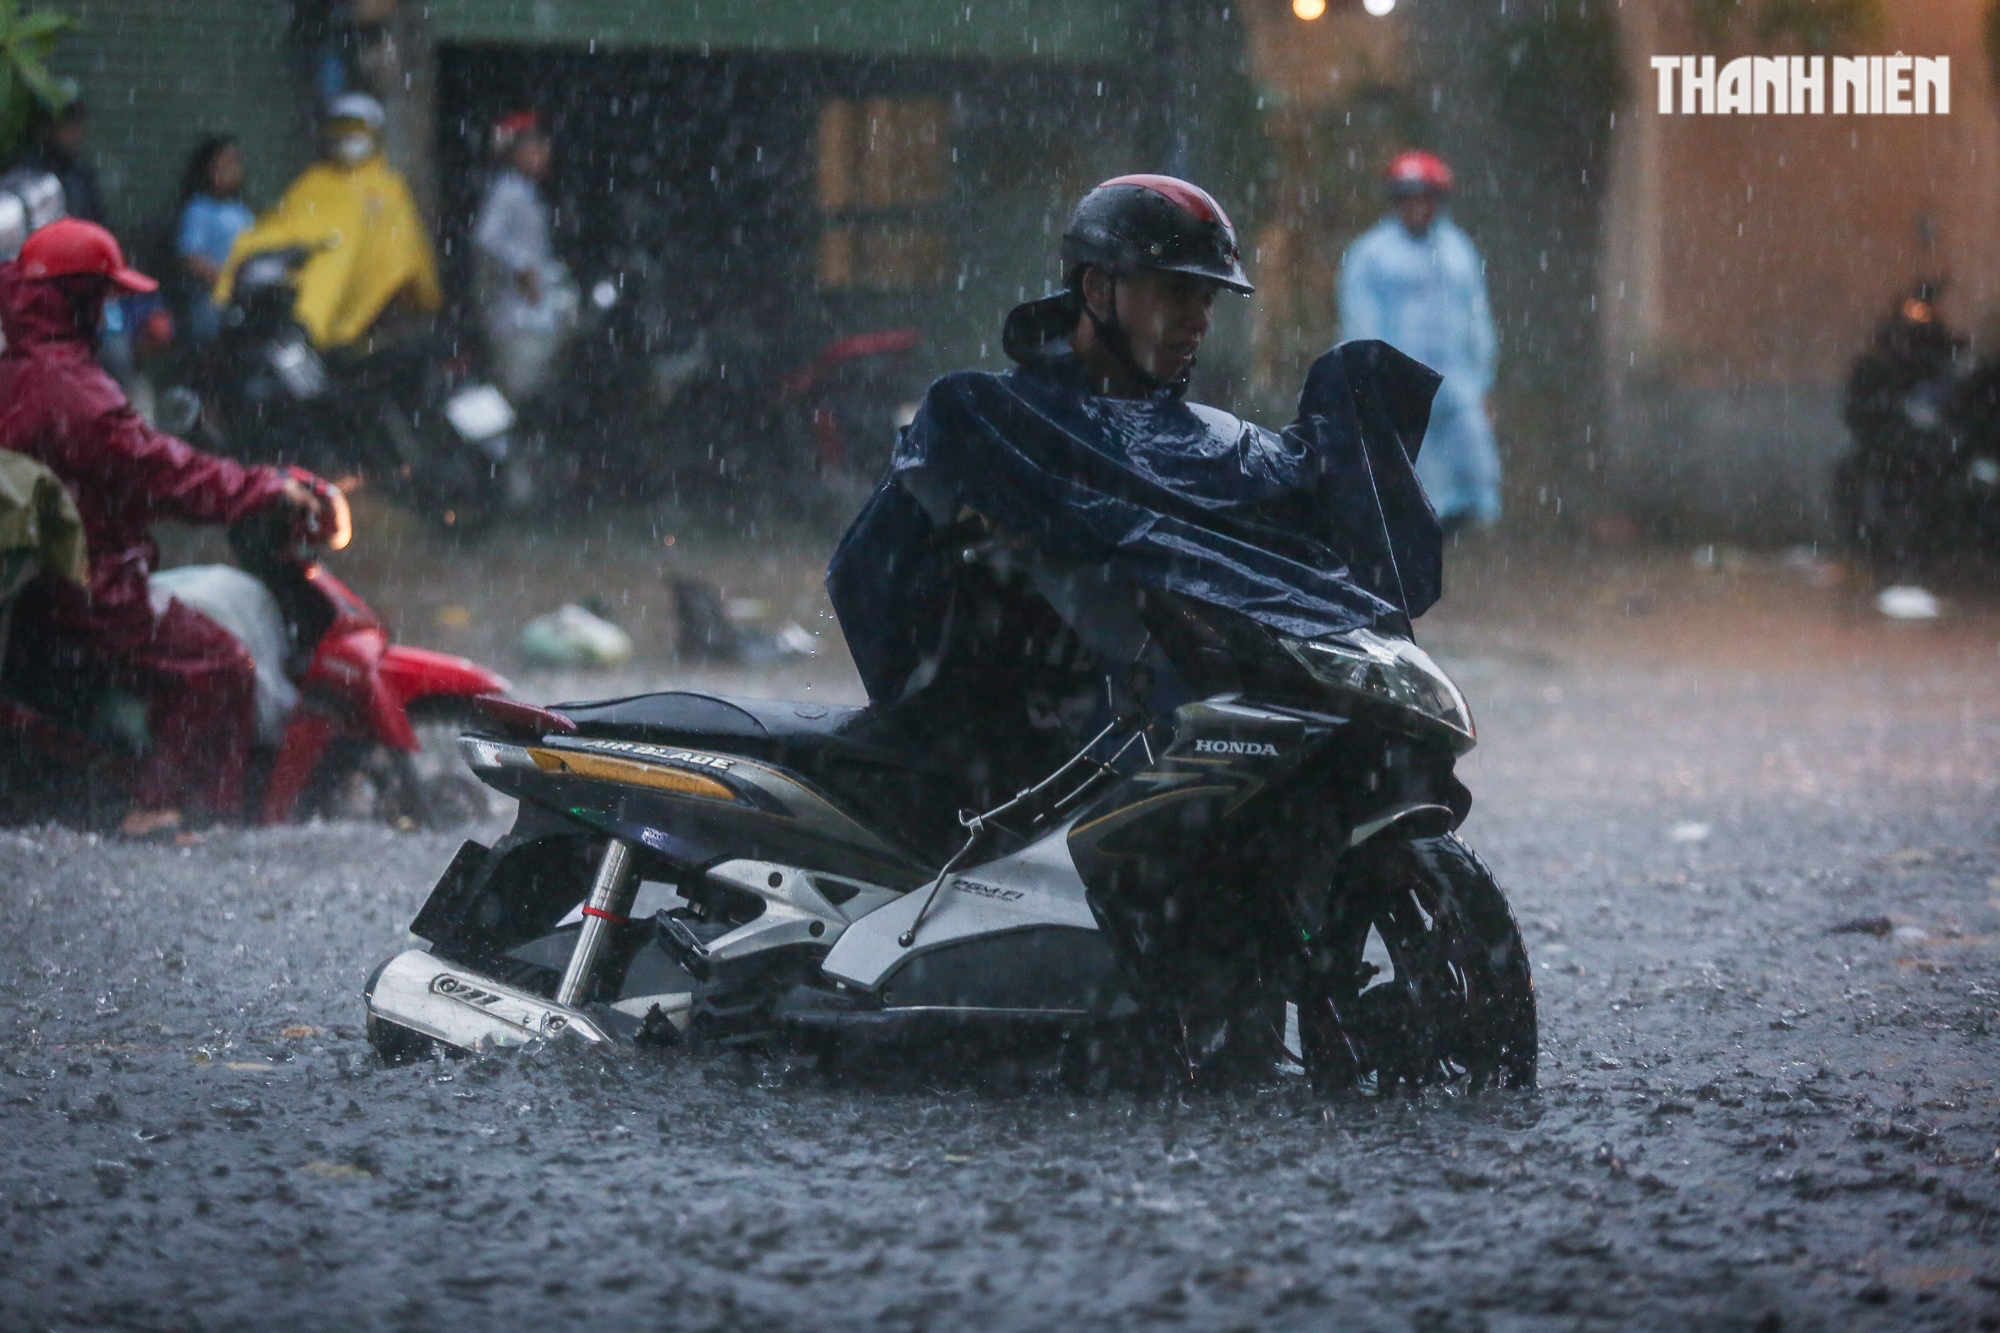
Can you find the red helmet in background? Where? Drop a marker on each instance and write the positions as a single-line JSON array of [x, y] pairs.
[[71, 247], [513, 127], [1418, 172]]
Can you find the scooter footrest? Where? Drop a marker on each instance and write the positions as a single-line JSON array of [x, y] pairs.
[[688, 948]]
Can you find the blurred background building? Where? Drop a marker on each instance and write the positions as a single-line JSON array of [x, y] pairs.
[[1744, 258], [1678, 296]]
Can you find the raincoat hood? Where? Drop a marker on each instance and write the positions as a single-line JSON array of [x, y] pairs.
[[369, 244], [61, 409], [34, 312], [1316, 530], [1036, 330]]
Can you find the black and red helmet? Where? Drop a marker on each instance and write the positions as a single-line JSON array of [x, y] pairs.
[[1158, 222], [1124, 225]]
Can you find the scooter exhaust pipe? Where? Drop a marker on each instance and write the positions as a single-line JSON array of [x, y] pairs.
[[611, 896]]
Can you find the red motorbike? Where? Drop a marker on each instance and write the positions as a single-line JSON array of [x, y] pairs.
[[349, 724]]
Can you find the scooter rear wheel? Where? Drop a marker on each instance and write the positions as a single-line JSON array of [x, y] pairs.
[[1418, 976]]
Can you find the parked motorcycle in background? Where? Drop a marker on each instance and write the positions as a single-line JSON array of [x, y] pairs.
[[670, 386], [727, 402], [1920, 484], [406, 415], [853, 397]]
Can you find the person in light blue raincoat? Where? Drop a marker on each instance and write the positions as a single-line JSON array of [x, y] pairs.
[[1415, 281]]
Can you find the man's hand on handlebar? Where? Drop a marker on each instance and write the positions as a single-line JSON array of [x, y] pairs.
[[302, 498]]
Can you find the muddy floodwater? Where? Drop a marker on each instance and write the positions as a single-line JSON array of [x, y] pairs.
[[1750, 829]]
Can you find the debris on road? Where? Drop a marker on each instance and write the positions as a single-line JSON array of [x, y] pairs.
[[573, 636], [1907, 602]]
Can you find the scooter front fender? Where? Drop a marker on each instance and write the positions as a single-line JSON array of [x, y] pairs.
[[395, 675], [404, 674], [344, 681], [355, 666]]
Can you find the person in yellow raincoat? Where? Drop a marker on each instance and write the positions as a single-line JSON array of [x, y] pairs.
[[355, 212]]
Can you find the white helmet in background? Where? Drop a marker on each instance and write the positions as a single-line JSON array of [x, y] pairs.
[[357, 106], [29, 201]]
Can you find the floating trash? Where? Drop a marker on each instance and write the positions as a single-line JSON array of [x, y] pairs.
[[1907, 602]]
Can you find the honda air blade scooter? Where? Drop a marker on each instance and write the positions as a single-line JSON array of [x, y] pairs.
[[1271, 868]]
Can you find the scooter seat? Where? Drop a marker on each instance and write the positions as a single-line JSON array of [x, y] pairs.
[[908, 789], [689, 717]]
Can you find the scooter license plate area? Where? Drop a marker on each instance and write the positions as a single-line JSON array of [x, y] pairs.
[[299, 368], [479, 412]]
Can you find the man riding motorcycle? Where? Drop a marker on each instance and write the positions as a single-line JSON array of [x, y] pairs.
[[354, 211], [59, 407], [1000, 589], [1010, 656]]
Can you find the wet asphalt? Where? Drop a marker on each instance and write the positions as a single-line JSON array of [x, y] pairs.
[[1752, 835]]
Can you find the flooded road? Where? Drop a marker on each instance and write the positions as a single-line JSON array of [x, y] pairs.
[[1751, 832]]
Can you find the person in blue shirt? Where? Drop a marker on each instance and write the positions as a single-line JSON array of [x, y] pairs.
[[1415, 281], [211, 216]]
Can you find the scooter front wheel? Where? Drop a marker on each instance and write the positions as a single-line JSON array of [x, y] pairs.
[[1418, 976], [435, 788]]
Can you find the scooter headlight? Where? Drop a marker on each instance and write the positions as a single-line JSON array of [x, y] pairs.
[[341, 520], [1388, 670]]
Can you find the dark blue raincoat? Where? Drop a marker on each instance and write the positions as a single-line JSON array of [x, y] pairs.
[[1321, 529]]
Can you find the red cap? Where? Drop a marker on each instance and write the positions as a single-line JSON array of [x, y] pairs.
[[513, 127], [69, 247], [1417, 172]]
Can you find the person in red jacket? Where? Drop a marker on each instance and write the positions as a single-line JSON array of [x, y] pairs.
[[59, 407]]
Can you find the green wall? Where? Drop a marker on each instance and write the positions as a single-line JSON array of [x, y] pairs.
[[1027, 28], [159, 74]]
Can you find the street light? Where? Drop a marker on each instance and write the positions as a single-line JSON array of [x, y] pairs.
[[1312, 9], [1378, 8]]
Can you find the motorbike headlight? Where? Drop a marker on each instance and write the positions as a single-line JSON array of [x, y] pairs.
[[1387, 670], [341, 520]]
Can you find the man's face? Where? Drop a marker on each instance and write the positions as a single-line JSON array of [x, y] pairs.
[[1165, 316], [70, 134], [531, 156], [350, 142], [225, 173], [1417, 212], [87, 294]]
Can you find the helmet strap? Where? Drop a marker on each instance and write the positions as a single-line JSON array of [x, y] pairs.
[[1112, 333]]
